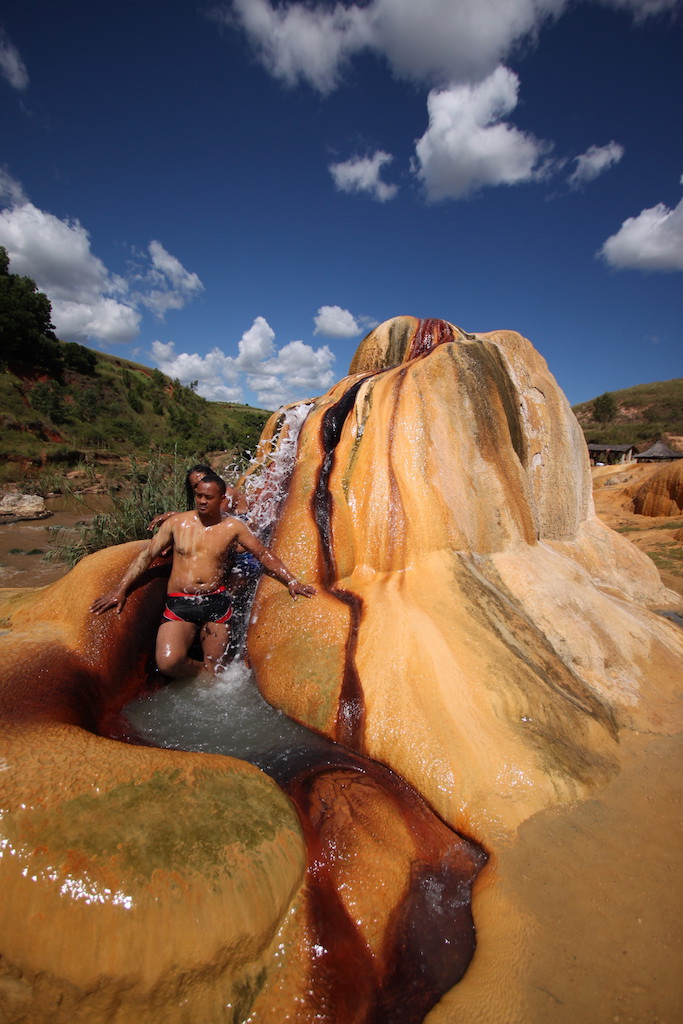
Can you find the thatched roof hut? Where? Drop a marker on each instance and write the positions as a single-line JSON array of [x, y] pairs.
[[659, 452]]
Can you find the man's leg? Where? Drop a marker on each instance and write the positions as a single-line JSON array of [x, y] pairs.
[[174, 640], [214, 637]]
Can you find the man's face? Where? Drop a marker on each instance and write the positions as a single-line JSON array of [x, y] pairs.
[[207, 498]]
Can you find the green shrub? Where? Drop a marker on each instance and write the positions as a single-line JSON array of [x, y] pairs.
[[79, 358], [156, 486]]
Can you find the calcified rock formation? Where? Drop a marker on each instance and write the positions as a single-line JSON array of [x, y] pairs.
[[481, 632], [662, 493]]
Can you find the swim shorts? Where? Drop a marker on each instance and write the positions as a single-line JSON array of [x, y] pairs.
[[216, 606]]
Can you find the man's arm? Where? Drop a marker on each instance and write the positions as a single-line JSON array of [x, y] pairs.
[[271, 563], [116, 598]]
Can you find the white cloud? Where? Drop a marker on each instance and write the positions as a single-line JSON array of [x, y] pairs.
[[594, 162], [216, 373], [56, 254], [335, 322], [170, 285], [296, 371], [651, 241], [104, 319], [442, 41], [88, 301], [12, 66], [256, 346], [362, 174], [435, 41], [302, 42], [466, 145], [11, 191]]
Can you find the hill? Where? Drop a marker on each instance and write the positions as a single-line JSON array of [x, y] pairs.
[[642, 414], [92, 407]]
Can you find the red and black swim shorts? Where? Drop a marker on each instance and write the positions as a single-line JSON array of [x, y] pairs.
[[215, 606]]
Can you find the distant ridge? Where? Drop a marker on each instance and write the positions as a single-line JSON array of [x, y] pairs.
[[97, 406], [644, 414]]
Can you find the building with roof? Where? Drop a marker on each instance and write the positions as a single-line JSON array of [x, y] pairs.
[[659, 452]]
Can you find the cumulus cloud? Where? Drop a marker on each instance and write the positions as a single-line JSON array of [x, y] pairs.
[[594, 162], [296, 371], [12, 67], [362, 174], [467, 146], [651, 241], [300, 41], [169, 284], [335, 322], [256, 345], [217, 376], [56, 254], [11, 191], [88, 301], [435, 41]]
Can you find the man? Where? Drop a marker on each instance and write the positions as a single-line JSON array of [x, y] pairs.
[[204, 544]]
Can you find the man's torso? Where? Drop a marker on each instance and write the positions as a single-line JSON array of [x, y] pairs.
[[202, 555]]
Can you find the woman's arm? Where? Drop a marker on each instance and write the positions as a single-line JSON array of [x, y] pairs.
[[160, 519]]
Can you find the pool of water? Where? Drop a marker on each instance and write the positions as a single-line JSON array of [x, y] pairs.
[[225, 714]]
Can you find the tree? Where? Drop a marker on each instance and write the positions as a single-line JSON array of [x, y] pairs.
[[79, 358], [605, 408], [26, 331]]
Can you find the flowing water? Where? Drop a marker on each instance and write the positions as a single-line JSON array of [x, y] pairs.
[[225, 715]]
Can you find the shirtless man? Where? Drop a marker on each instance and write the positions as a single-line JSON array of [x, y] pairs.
[[204, 544]]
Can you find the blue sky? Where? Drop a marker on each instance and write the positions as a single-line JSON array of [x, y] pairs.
[[236, 192]]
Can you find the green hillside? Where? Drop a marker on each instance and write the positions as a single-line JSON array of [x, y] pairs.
[[641, 415], [98, 408]]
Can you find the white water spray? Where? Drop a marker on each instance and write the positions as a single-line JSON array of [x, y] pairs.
[[267, 478]]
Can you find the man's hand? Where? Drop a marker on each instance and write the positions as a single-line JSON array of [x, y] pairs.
[[158, 520], [304, 589], [114, 599]]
